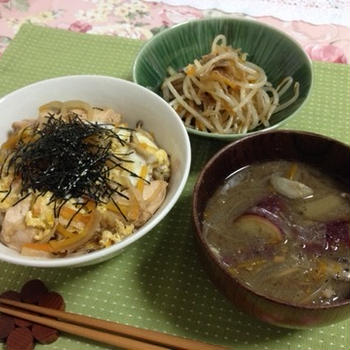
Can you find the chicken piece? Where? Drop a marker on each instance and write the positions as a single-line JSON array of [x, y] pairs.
[[106, 116], [153, 196], [14, 231]]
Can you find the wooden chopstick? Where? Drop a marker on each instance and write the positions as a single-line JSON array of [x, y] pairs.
[[106, 338], [126, 337]]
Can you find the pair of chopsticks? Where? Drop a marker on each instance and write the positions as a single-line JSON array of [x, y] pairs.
[[107, 332]]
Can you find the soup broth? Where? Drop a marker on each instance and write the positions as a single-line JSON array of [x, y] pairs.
[[282, 229]]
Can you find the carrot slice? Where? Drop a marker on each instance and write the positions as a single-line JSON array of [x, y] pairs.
[[39, 246], [292, 171], [190, 70]]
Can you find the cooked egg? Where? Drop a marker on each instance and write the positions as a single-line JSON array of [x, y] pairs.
[[41, 217]]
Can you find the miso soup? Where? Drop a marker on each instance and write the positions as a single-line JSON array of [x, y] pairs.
[[282, 229]]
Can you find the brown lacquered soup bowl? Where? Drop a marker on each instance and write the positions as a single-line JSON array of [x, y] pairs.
[[324, 153]]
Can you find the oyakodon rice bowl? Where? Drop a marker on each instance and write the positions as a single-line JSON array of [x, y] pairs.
[[87, 176]]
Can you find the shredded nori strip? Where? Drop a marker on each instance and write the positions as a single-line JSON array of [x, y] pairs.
[[71, 158]]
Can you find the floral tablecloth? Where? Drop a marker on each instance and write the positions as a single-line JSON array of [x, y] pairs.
[[141, 19]]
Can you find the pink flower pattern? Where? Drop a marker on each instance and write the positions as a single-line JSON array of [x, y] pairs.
[[326, 52], [79, 26], [140, 19]]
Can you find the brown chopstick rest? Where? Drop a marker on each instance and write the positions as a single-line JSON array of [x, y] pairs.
[[43, 334], [32, 291], [20, 338], [52, 300], [12, 295], [7, 325], [22, 323], [21, 334]]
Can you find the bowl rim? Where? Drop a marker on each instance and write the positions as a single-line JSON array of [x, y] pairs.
[[198, 227], [230, 137], [119, 246]]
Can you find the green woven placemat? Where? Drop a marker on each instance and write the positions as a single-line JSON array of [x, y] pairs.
[[158, 282]]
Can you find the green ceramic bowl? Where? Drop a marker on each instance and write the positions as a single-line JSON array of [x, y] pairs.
[[274, 51]]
